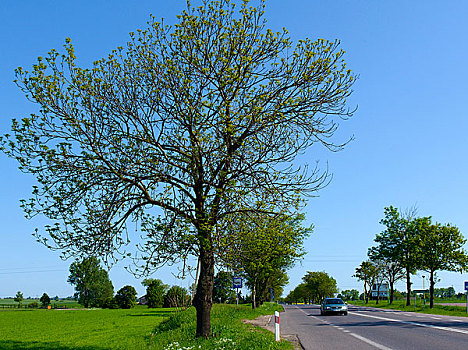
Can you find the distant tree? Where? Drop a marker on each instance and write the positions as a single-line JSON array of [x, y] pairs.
[[387, 253], [398, 243], [126, 297], [350, 294], [155, 291], [19, 298], [320, 285], [176, 297], [441, 248], [45, 300], [222, 288], [275, 284], [92, 284], [261, 245], [367, 273]]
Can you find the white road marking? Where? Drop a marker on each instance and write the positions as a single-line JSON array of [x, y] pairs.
[[457, 320], [436, 318], [456, 330], [370, 342], [365, 340]]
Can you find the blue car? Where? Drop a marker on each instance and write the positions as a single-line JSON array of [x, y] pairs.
[[333, 306]]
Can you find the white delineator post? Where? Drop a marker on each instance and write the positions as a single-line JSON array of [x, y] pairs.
[[277, 328]]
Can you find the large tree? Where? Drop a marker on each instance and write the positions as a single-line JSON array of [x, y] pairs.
[[92, 284], [367, 273], [441, 248], [189, 122]]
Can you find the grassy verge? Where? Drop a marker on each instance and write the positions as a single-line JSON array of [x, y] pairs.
[[178, 332], [420, 307], [79, 329]]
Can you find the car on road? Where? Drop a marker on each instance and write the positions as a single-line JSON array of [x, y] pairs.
[[333, 306]]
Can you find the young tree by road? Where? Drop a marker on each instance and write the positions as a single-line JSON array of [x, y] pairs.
[[441, 249], [198, 120], [398, 243], [367, 273]]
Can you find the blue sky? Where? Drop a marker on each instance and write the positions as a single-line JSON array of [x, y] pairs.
[[409, 150]]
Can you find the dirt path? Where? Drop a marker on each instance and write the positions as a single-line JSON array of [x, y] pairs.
[[267, 322]]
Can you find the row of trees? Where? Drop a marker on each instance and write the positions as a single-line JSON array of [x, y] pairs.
[[409, 244], [316, 286], [159, 294]]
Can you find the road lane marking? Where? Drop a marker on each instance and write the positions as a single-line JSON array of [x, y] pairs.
[[365, 340], [436, 318], [414, 323], [457, 320], [370, 342]]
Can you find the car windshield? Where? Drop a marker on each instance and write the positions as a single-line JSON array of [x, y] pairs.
[[334, 301]]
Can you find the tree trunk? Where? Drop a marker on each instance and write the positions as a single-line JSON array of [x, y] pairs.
[[254, 292], [365, 292], [391, 292], [408, 288], [431, 290], [204, 297], [378, 294]]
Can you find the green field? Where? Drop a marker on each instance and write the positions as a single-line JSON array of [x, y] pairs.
[[79, 329], [138, 328]]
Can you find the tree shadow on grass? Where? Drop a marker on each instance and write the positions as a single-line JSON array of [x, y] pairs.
[[14, 345], [154, 313]]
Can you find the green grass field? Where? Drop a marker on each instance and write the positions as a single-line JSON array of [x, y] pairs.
[[138, 328], [228, 331], [79, 329]]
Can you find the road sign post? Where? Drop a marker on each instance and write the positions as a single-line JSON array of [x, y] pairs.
[[237, 283]]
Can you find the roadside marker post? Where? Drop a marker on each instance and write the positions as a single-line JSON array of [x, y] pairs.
[[277, 327]]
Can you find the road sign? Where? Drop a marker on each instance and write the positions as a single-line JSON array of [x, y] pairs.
[[466, 285], [421, 291], [237, 282]]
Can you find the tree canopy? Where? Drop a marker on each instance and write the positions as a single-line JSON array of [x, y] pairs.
[[175, 130]]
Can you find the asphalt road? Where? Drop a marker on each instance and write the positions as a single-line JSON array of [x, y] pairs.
[[369, 328]]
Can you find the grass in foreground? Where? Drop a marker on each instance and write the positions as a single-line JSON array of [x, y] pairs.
[[420, 307], [139, 328], [79, 329], [178, 332]]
